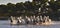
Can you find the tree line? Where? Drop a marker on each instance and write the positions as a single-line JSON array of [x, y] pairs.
[[32, 8]]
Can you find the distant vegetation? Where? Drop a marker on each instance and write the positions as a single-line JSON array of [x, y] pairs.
[[32, 8]]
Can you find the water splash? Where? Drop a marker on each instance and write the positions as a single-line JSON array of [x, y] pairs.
[[55, 22]]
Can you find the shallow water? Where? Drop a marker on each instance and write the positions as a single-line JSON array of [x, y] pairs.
[[5, 24]]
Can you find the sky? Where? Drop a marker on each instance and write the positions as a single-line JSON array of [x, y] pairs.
[[12, 1]]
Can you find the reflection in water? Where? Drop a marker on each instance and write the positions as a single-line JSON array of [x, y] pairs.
[[5, 24]]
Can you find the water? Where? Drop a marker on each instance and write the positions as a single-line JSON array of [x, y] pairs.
[[5, 24]]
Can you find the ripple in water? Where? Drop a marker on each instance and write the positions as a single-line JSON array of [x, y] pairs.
[[5, 24]]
